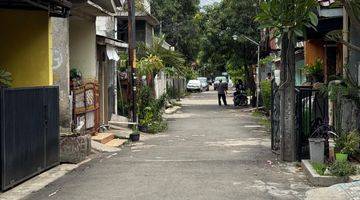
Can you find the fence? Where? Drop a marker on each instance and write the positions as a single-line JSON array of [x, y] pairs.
[[86, 107], [311, 112], [29, 121]]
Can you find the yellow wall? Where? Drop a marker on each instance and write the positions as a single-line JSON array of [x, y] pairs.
[[25, 47]]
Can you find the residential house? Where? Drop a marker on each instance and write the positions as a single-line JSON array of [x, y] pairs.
[[84, 56], [108, 50]]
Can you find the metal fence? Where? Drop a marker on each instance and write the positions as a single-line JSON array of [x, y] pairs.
[[29, 124], [311, 112]]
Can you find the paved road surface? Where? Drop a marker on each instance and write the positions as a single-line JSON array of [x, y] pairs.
[[208, 153]]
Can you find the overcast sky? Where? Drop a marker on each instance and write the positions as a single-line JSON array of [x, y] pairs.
[[207, 2]]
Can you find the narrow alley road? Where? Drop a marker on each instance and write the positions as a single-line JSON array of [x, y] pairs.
[[208, 153]]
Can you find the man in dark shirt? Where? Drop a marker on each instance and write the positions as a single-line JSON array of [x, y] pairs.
[[222, 92]]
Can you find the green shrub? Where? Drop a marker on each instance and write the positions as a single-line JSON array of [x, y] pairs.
[[348, 143], [150, 111], [342, 168], [266, 93]]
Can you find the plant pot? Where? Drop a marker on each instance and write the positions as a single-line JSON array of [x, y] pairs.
[[317, 150], [135, 137], [341, 156]]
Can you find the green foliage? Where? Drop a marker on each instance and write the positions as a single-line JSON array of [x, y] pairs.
[[75, 73], [316, 69], [288, 16], [123, 62], [150, 111], [266, 93], [149, 65], [266, 60], [320, 168], [218, 24], [5, 78], [342, 168], [236, 73], [346, 87], [348, 143], [179, 24], [173, 61]]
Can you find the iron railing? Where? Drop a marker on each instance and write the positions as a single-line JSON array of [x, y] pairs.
[[311, 112]]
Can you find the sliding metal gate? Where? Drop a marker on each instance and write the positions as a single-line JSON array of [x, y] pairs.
[[29, 123]]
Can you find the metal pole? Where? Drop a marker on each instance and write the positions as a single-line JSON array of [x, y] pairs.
[[132, 54], [258, 78]]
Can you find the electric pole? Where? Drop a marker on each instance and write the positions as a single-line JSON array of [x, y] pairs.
[[132, 55]]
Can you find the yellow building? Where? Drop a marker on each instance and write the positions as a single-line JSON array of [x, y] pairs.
[[25, 49]]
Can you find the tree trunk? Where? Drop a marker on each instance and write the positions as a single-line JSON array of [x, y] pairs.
[[287, 100]]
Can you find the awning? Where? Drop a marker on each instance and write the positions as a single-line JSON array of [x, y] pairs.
[[93, 7], [103, 40]]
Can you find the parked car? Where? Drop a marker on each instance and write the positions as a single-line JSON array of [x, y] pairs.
[[217, 81], [204, 83], [194, 85]]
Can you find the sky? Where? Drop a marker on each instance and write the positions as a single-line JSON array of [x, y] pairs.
[[207, 2]]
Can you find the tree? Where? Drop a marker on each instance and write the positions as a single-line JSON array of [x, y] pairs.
[[288, 19], [219, 23], [177, 23]]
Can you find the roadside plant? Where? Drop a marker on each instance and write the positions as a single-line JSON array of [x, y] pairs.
[[348, 143], [315, 71], [5, 78], [266, 94], [151, 64], [342, 168], [150, 111]]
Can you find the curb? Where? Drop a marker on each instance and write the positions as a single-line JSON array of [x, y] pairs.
[[172, 110], [318, 180]]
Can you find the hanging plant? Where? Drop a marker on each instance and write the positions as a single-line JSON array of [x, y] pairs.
[[5, 78], [315, 71]]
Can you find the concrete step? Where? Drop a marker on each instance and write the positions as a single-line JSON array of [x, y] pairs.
[[116, 142], [103, 138]]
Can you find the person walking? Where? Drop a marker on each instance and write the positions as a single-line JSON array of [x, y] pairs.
[[222, 90]]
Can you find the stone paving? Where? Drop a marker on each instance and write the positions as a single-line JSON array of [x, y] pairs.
[[352, 190]]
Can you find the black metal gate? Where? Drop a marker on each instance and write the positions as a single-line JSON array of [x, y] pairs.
[[29, 123], [275, 117], [311, 112]]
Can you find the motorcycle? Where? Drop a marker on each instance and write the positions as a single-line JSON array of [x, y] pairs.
[[240, 98]]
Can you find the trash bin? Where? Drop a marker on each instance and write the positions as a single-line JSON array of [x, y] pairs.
[[317, 150]]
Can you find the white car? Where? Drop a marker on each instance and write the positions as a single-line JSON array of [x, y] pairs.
[[194, 85]]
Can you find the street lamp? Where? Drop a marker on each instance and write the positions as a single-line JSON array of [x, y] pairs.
[[235, 37]]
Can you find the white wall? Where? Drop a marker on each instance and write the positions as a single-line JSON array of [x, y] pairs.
[[82, 41], [160, 84]]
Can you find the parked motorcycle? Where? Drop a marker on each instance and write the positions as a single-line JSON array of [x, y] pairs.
[[240, 98]]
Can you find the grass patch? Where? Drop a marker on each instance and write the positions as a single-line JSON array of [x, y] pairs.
[[263, 119], [319, 168], [265, 122]]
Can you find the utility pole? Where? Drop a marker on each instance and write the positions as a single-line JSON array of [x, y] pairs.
[[132, 55]]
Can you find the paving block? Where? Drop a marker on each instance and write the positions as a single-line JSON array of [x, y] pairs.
[[103, 138], [116, 143]]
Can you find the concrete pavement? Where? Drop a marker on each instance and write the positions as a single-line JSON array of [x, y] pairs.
[[208, 152]]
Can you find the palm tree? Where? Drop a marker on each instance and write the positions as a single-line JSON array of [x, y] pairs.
[[288, 19]]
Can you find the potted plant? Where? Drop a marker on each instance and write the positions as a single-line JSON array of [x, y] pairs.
[[315, 71], [347, 144], [135, 135]]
